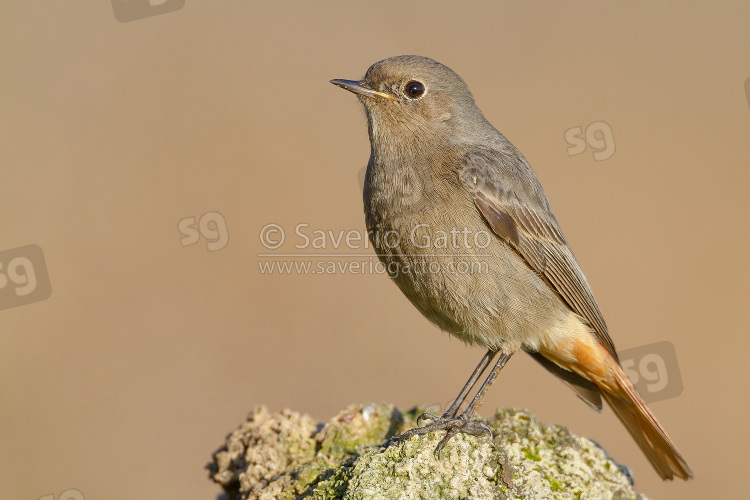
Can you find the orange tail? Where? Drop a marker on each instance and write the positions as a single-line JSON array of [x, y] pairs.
[[586, 357], [632, 411]]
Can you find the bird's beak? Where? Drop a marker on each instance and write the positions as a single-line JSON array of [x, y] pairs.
[[360, 89]]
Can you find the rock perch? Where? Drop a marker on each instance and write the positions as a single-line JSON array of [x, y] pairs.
[[290, 456]]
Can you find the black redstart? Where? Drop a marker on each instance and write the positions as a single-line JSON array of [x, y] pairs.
[[438, 170]]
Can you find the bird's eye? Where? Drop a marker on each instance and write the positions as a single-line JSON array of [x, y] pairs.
[[414, 89]]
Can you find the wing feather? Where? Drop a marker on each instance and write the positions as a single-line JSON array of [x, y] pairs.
[[512, 201]]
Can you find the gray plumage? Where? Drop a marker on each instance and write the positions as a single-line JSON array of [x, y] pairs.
[[438, 166]]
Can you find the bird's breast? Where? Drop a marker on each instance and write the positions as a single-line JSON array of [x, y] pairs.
[[437, 248], [430, 239]]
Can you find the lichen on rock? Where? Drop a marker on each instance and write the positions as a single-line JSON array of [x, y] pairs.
[[289, 456]]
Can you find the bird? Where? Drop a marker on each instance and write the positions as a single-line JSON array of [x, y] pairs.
[[437, 170]]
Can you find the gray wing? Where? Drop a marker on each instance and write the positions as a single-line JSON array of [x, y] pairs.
[[512, 201]]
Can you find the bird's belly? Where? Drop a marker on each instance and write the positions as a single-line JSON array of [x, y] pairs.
[[466, 280]]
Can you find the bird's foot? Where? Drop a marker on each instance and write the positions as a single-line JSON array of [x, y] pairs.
[[451, 424]]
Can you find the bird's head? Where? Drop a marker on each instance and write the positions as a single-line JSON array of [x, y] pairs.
[[408, 95]]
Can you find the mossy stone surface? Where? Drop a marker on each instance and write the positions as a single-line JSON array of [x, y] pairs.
[[290, 456]]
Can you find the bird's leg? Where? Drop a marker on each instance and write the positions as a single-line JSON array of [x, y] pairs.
[[453, 409], [452, 423]]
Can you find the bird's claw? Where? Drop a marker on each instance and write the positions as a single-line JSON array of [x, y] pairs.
[[452, 425], [428, 416]]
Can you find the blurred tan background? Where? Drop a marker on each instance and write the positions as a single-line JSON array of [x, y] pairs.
[[122, 382]]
